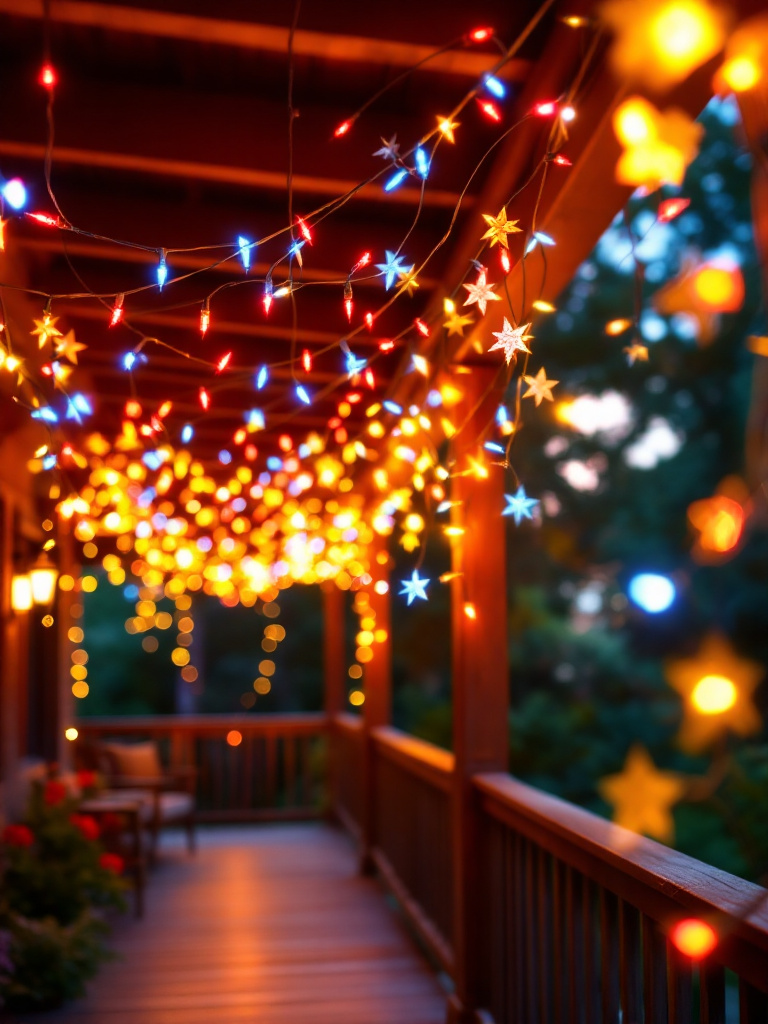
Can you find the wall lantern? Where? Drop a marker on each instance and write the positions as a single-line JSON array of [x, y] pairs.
[[42, 577], [35, 587]]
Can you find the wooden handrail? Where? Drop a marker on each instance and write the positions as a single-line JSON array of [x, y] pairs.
[[299, 724], [425, 760], [348, 723], [659, 881]]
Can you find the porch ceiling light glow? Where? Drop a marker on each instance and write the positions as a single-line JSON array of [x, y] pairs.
[[21, 593]]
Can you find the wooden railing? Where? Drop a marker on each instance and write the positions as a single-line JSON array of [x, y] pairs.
[[276, 769], [346, 771], [576, 915], [412, 832]]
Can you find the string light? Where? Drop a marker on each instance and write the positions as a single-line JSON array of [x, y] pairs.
[[14, 193], [205, 319], [162, 270], [47, 77], [117, 310], [244, 246]]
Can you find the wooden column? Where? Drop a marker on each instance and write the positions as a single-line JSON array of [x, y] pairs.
[[377, 709], [480, 674], [334, 674], [65, 710], [754, 112]]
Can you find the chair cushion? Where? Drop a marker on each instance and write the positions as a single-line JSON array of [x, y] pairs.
[[133, 760], [175, 805]]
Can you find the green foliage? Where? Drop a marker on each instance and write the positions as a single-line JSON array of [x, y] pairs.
[[54, 885], [52, 961]]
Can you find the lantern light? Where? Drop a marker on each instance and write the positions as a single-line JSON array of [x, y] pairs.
[[42, 579], [21, 593]]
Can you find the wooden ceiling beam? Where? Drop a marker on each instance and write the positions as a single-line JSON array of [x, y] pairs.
[[247, 35], [243, 177]]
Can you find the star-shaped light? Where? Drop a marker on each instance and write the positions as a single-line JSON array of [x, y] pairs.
[[636, 353], [355, 366], [642, 796], [717, 687], [499, 227], [392, 268], [511, 339], [481, 292], [46, 329], [406, 280], [60, 373], [415, 587], [519, 505], [456, 323], [68, 347], [446, 126], [389, 150], [539, 388]]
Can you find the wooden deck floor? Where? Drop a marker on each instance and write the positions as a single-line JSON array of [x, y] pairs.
[[266, 924]]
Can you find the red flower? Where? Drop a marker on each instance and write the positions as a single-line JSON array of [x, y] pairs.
[[112, 862], [54, 792], [86, 824], [86, 779], [17, 835]]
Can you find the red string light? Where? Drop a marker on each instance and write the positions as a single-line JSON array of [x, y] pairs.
[[47, 77], [117, 311], [490, 110], [306, 360], [421, 327], [671, 208], [481, 35], [205, 399], [223, 363]]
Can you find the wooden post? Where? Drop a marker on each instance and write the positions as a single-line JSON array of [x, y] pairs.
[[480, 675], [754, 111], [377, 709], [63, 600], [333, 678]]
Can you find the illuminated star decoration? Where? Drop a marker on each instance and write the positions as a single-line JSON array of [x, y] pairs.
[[446, 126], [481, 292], [539, 388], [456, 324], [511, 339], [389, 150], [636, 353], [68, 347], [60, 373], [717, 687], [519, 505], [46, 329], [499, 227], [392, 268], [355, 366], [415, 587], [642, 796], [406, 280]]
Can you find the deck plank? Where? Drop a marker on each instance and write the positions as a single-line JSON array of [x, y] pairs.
[[270, 924]]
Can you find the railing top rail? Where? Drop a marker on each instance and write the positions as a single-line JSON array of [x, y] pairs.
[[431, 763], [348, 723], [657, 879], [272, 724]]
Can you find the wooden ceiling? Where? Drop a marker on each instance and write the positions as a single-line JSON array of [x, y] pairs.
[[172, 130]]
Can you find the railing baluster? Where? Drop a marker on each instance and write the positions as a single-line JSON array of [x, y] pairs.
[[591, 969], [530, 976], [654, 973], [575, 952], [289, 757], [543, 899], [270, 776], [559, 933], [247, 772], [629, 964], [609, 957], [753, 1004], [712, 995], [679, 987], [521, 937]]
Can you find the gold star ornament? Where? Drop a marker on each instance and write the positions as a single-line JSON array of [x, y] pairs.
[[717, 687], [68, 346], [539, 388], [456, 323], [446, 126], [636, 353], [406, 279], [499, 227], [642, 797], [46, 329]]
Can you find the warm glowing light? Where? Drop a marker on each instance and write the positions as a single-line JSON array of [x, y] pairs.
[[616, 327], [741, 73], [205, 320], [694, 938], [713, 695], [469, 610], [633, 122], [356, 698], [234, 737], [719, 288], [21, 594], [480, 35], [117, 311], [71, 734], [671, 208], [343, 128], [47, 76]]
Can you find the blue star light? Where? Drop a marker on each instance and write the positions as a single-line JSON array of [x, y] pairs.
[[520, 506], [392, 268], [355, 366], [415, 587]]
